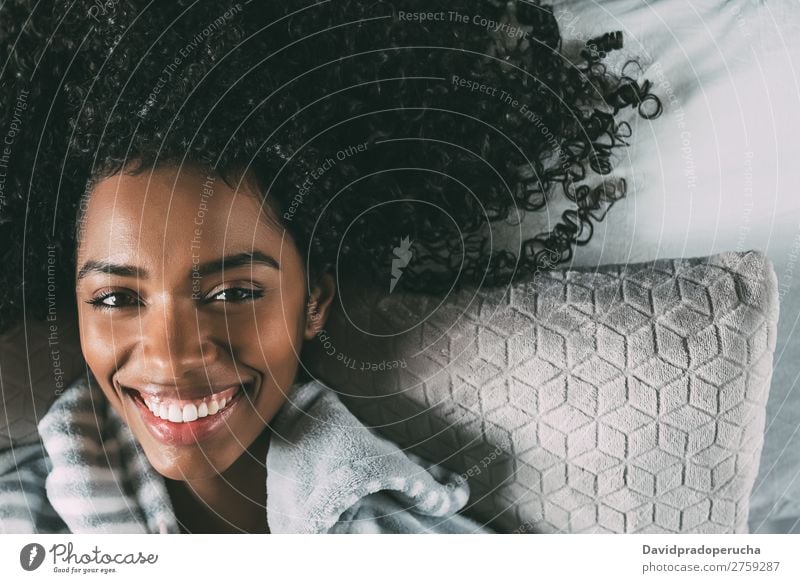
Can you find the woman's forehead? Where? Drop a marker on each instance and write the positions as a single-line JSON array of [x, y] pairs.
[[169, 208]]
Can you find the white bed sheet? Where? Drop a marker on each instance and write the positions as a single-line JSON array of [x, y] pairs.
[[718, 171]]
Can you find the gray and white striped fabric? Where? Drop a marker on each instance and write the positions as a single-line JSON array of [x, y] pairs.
[[326, 473], [88, 475]]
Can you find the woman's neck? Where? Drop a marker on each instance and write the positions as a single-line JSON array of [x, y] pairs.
[[232, 502]]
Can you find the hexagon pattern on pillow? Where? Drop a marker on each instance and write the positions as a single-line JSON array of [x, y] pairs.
[[628, 398]]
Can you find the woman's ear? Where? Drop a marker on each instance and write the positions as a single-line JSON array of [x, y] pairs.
[[319, 304]]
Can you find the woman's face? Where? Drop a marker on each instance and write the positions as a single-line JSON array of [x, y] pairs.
[[192, 312]]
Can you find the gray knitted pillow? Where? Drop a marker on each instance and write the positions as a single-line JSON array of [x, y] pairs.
[[630, 398]]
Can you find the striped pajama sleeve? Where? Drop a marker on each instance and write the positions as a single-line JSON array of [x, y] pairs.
[[24, 507]]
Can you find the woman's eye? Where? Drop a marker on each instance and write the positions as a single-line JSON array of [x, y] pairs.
[[237, 294], [113, 300]]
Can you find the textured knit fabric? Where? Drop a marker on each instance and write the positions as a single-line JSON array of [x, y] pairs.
[[326, 473]]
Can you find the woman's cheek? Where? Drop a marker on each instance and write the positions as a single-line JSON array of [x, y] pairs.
[[100, 342], [103, 346], [275, 342]]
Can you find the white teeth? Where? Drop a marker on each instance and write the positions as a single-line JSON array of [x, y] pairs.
[[189, 412], [175, 413]]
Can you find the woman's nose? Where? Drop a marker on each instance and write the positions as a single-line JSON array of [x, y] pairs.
[[175, 341]]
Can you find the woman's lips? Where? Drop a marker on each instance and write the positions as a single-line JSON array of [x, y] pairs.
[[192, 427]]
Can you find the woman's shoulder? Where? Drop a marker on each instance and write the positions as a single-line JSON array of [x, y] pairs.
[[25, 507], [328, 472], [24, 468]]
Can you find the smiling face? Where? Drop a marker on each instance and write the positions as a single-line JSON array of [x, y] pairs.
[[192, 310]]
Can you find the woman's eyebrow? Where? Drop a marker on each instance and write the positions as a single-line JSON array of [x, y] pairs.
[[233, 261], [108, 268], [215, 266]]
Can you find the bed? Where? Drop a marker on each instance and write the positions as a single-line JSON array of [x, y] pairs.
[[714, 174]]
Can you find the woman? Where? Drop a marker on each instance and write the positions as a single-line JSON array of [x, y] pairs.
[[224, 169]]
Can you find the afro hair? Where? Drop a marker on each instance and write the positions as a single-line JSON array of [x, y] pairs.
[[367, 127]]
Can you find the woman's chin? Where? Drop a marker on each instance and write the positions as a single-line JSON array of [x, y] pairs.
[[188, 465]]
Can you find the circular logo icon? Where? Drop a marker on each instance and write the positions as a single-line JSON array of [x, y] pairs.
[[31, 556]]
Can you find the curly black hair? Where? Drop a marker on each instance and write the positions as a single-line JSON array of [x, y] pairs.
[[366, 125]]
